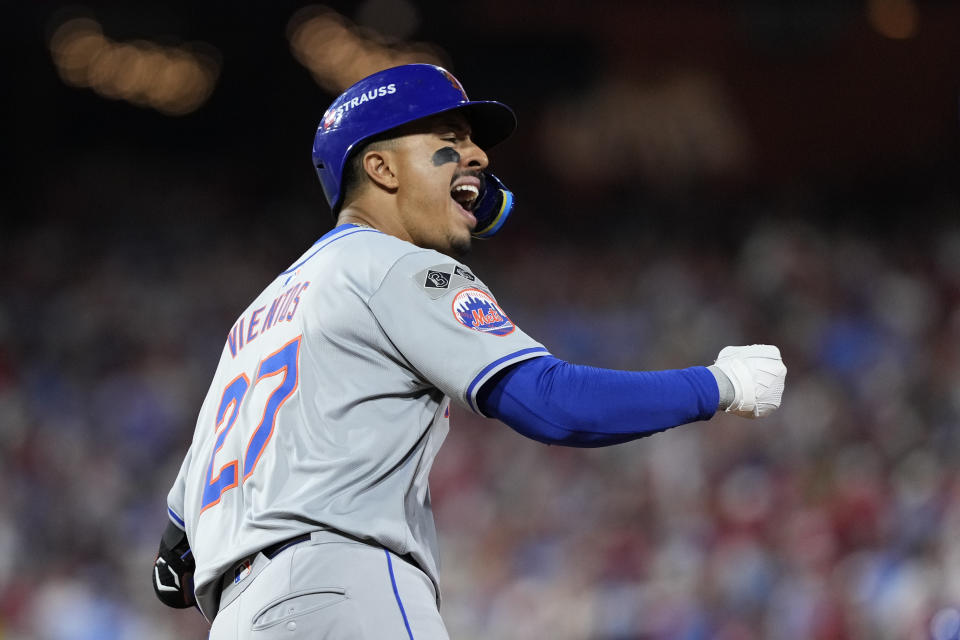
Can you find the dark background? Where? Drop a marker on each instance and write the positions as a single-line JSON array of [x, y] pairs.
[[822, 100], [688, 175]]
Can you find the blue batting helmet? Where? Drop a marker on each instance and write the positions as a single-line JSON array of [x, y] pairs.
[[388, 99]]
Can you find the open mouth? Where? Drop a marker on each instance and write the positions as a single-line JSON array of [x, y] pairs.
[[466, 195]]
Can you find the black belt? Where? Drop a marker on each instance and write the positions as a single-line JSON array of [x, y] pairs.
[[273, 550], [270, 552]]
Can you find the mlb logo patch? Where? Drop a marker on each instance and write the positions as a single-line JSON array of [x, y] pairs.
[[242, 571], [330, 118], [477, 310]]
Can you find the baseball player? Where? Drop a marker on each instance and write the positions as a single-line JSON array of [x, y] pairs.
[[302, 508]]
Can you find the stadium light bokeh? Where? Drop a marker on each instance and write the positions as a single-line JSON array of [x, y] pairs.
[[338, 52], [894, 19], [174, 80]]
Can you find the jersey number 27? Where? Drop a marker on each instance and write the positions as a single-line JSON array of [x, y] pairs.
[[284, 361]]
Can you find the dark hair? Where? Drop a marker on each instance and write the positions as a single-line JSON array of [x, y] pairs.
[[354, 175]]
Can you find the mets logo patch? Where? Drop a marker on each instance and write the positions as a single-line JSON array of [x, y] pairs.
[[476, 310], [456, 83]]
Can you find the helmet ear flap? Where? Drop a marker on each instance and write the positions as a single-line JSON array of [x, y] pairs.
[[494, 206]]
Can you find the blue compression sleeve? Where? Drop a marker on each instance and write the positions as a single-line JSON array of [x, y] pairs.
[[561, 403]]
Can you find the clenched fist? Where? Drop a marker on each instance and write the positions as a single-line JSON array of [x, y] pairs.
[[757, 374]]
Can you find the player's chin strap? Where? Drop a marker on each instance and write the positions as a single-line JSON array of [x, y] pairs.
[[493, 208]]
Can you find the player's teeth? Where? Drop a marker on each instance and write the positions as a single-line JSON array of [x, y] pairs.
[[465, 194]]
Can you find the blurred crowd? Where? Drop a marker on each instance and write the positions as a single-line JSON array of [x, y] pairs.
[[838, 517]]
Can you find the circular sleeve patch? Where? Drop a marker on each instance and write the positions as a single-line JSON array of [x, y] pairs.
[[476, 310]]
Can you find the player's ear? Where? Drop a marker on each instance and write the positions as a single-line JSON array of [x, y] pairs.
[[379, 165]]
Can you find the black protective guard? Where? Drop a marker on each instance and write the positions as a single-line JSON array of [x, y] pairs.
[[173, 569]]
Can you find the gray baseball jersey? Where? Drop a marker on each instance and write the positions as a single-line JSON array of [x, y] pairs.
[[331, 400]]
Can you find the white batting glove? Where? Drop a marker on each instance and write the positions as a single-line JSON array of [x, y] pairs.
[[757, 374]]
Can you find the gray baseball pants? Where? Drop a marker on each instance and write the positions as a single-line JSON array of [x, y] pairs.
[[330, 588]]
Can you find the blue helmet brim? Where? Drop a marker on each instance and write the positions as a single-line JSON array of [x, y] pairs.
[[491, 122]]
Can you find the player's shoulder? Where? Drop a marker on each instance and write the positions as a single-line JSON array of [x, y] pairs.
[[365, 257], [430, 272]]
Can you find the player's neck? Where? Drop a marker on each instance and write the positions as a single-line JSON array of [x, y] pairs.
[[366, 216], [358, 216]]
